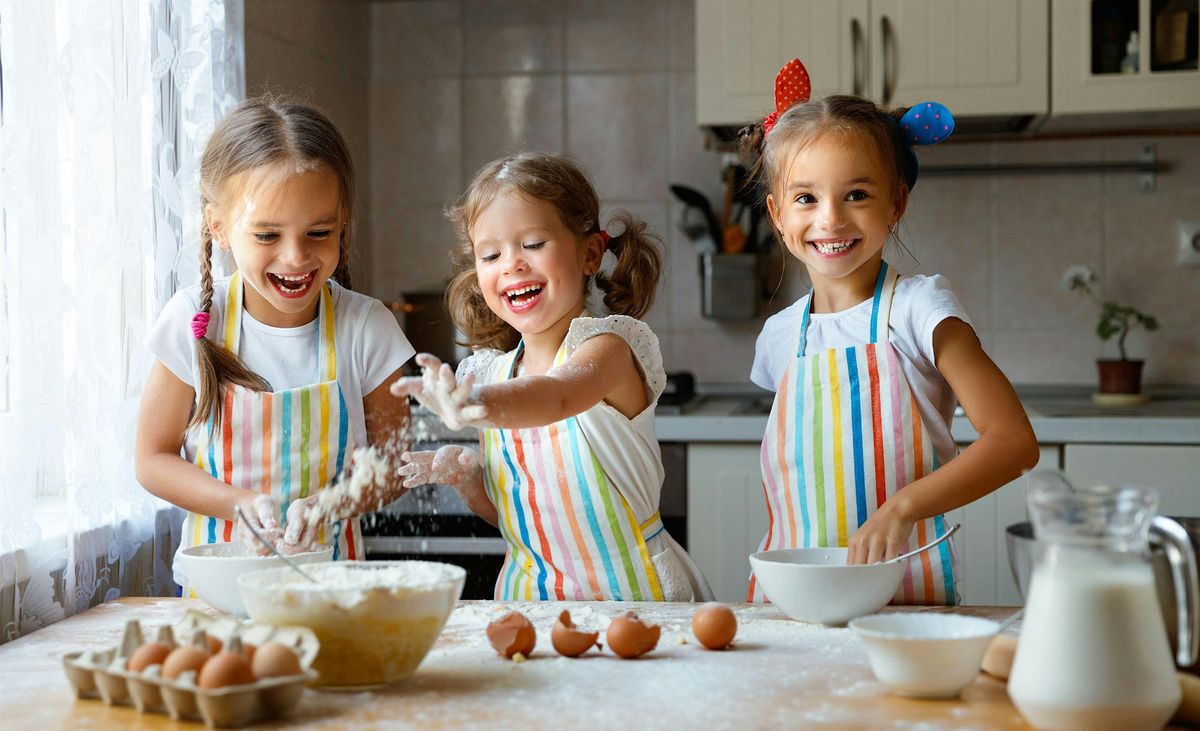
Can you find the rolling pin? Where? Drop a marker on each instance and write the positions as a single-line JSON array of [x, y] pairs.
[[998, 660]]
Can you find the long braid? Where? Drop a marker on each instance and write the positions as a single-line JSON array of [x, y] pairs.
[[216, 365]]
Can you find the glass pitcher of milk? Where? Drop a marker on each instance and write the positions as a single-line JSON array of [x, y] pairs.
[[1093, 651]]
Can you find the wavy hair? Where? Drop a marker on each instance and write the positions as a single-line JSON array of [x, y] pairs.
[[628, 290]]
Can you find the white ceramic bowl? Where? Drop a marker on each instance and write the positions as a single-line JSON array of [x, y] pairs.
[[816, 585], [213, 569], [925, 654], [375, 620]]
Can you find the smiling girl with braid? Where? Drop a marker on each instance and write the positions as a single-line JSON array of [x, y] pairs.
[[266, 381]]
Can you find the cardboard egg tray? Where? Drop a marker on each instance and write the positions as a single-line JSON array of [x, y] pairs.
[[102, 674]]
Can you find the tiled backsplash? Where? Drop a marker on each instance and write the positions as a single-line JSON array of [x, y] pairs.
[[452, 84]]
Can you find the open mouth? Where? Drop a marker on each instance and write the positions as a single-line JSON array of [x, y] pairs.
[[293, 285], [522, 297], [833, 247]]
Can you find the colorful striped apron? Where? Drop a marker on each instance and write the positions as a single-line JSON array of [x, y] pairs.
[[843, 436], [570, 532], [287, 444]]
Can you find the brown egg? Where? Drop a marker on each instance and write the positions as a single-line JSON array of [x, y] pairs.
[[630, 637], [275, 660], [225, 668], [714, 625], [568, 640], [214, 645], [184, 658], [512, 633], [151, 653]]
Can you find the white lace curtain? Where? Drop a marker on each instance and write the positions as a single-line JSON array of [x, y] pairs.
[[105, 106]]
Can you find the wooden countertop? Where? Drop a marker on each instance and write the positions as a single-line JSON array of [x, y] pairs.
[[780, 673]]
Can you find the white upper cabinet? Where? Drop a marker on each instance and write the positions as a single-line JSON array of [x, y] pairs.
[[1125, 56], [978, 57], [741, 45]]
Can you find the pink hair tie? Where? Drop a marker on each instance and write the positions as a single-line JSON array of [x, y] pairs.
[[605, 238], [199, 324]]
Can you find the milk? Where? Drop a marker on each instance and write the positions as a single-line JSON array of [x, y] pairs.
[[1093, 652]]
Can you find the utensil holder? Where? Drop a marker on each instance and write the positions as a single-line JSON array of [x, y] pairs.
[[729, 286]]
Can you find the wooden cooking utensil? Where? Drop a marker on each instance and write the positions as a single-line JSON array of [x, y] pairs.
[[733, 240]]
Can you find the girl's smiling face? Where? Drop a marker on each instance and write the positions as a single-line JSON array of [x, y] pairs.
[[284, 234], [530, 266], [834, 205]]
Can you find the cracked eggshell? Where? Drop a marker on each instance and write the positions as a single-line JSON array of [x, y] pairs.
[[630, 637], [512, 633], [569, 640], [714, 625]]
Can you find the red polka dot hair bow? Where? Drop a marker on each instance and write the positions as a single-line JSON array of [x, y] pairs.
[[791, 87]]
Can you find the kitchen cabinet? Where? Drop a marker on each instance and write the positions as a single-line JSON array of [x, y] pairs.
[[978, 58], [1172, 470], [727, 517], [1096, 69]]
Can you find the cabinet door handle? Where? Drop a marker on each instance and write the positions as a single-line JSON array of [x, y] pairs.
[[888, 38], [857, 49]]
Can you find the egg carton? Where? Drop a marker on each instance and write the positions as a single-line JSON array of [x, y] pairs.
[[102, 673]]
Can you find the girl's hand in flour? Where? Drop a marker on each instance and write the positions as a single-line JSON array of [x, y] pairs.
[[302, 526], [450, 465], [259, 511], [437, 390]]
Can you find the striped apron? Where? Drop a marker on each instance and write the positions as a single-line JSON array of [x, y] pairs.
[[287, 444], [843, 436], [570, 533]]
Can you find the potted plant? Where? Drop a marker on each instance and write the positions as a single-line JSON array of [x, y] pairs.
[[1123, 375]]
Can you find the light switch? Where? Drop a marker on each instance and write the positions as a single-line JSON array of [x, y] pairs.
[[1189, 243]]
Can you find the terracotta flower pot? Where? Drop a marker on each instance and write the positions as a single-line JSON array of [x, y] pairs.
[[1120, 376]]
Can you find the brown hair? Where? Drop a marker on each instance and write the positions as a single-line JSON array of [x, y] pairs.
[[628, 290], [260, 134], [838, 114]]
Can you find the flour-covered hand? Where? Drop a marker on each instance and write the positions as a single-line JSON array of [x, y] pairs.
[[885, 535], [450, 465], [259, 512], [439, 391], [301, 533]]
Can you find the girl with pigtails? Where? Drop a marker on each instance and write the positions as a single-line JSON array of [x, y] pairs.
[[867, 367], [265, 382], [569, 466]]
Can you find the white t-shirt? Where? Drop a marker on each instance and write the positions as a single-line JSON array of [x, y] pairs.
[[370, 347], [919, 304]]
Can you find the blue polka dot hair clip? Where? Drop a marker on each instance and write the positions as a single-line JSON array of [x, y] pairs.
[[926, 123]]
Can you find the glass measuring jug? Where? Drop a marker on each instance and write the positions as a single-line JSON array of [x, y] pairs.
[[1093, 652]]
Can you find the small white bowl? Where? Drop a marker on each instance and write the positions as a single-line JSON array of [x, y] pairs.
[[926, 654], [212, 571], [816, 585]]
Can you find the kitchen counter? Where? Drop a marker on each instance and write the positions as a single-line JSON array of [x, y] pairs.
[[780, 673], [1059, 414]]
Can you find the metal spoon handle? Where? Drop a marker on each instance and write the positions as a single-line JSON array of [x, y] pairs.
[[271, 547], [927, 546]]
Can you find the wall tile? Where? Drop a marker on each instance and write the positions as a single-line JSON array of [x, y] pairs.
[[616, 35], [343, 36], [614, 127], [951, 236], [1181, 155], [416, 39], [720, 355], [505, 114], [1050, 151], [292, 20], [412, 252], [1047, 356], [1141, 244], [416, 140], [681, 32], [690, 163], [517, 35], [278, 66], [1037, 238]]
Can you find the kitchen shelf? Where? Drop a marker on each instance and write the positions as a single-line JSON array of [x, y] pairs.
[[1147, 165]]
